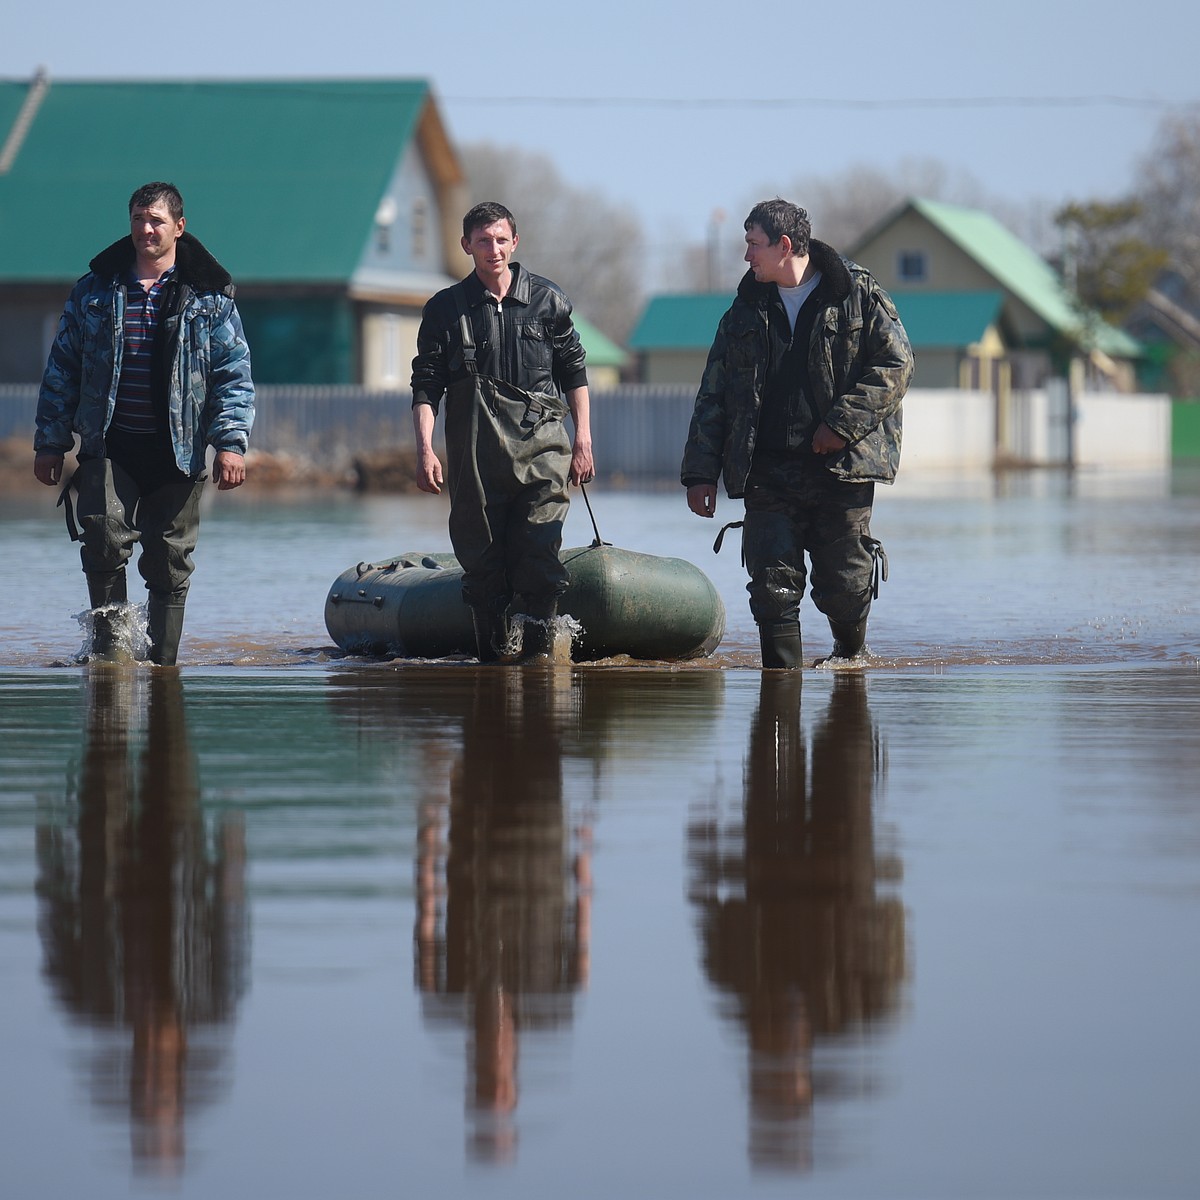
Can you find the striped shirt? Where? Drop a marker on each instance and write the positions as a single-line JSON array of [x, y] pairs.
[[134, 411]]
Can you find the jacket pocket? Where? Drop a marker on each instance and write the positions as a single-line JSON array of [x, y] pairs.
[[535, 347]]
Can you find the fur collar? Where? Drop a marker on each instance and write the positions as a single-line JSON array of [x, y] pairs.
[[194, 265], [835, 277]]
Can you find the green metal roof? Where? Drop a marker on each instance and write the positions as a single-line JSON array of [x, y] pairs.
[[685, 321], [1020, 271], [942, 319], [601, 350], [281, 179]]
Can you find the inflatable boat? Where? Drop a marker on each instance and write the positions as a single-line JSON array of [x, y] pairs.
[[625, 603]]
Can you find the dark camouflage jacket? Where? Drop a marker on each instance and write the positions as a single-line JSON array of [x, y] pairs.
[[202, 363], [860, 364]]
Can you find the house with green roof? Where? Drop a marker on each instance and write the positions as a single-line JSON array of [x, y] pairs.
[[335, 204], [945, 265], [673, 334], [957, 336]]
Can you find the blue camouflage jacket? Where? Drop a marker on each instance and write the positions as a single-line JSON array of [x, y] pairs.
[[202, 363], [860, 365]]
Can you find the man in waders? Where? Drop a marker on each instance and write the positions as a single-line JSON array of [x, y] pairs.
[[501, 347], [149, 368], [799, 411]]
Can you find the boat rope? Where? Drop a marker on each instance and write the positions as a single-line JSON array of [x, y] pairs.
[[595, 528]]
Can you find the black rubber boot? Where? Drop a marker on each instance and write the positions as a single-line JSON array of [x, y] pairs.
[[106, 590], [492, 634], [849, 641], [164, 625], [782, 648]]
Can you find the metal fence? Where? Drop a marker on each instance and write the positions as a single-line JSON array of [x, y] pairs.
[[638, 431]]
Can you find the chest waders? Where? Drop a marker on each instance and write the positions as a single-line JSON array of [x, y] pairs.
[[508, 459]]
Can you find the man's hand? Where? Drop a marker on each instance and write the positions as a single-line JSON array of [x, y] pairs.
[[702, 499], [825, 441], [429, 471], [229, 470], [47, 468], [583, 469]]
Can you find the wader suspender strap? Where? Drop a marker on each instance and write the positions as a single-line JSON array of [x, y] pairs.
[[879, 569], [721, 538], [64, 502], [466, 333]]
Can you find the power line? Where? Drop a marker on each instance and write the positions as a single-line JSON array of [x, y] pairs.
[[713, 102]]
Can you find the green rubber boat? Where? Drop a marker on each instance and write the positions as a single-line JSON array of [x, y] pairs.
[[625, 604]]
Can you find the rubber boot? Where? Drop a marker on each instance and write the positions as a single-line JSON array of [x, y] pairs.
[[492, 636], [106, 590], [849, 641], [537, 630], [164, 625], [782, 648]]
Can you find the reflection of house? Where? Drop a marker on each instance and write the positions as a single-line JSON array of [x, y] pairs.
[[939, 260], [333, 203]]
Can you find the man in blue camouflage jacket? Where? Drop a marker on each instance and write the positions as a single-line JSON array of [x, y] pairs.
[[799, 412], [149, 368]]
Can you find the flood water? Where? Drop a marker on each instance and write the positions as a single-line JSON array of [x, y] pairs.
[[285, 923]]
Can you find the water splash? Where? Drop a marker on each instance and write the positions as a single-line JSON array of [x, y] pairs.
[[565, 631], [129, 628]]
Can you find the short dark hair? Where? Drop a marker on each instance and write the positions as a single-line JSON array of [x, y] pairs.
[[153, 193], [778, 217], [487, 213]]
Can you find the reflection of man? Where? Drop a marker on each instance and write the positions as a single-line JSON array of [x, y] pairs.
[[511, 939], [799, 412], [149, 367], [143, 926], [500, 345], [795, 931]]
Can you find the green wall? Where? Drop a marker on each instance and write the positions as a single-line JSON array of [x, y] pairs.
[[303, 340], [1185, 428]]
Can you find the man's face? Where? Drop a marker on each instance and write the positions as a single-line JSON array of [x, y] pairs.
[[491, 246], [154, 232], [766, 259]]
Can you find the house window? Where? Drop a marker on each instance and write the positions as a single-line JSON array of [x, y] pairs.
[[912, 266], [385, 218], [420, 229], [389, 368]]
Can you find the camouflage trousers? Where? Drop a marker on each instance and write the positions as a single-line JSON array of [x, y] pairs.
[[790, 513]]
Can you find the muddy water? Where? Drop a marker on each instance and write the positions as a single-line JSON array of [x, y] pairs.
[[284, 923]]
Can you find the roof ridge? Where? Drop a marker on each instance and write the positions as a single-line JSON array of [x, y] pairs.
[[38, 87]]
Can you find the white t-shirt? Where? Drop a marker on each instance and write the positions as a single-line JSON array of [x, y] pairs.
[[794, 298]]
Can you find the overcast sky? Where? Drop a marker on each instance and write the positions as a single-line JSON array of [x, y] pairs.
[[679, 109]]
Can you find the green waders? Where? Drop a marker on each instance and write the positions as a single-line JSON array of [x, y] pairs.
[[114, 514], [509, 459]]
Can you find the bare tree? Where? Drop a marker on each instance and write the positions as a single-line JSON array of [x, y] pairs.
[[1169, 193], [846, 205], [591, 247]]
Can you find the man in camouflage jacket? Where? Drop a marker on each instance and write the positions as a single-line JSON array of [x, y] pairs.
[[799, 412], [149, 367]]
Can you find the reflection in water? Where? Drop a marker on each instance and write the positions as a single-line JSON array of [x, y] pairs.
[[143, 923], [503, 872], [794, 934], [503, 947]]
